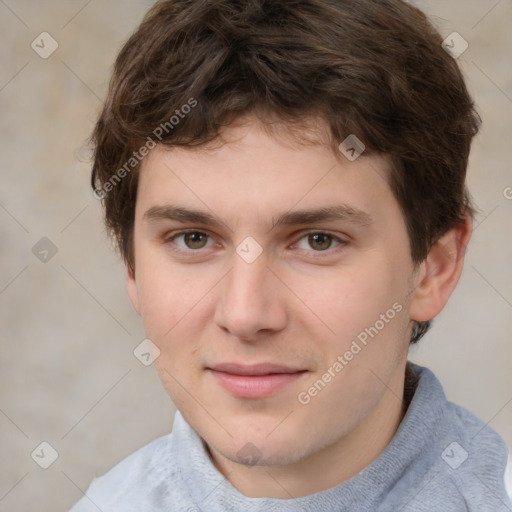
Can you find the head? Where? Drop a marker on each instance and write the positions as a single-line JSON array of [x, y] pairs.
[[250, 237]]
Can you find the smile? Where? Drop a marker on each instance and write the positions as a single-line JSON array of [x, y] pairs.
[[257, 381]]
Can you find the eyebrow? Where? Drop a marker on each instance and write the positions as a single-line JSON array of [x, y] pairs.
[[169, 212], [342, 212]]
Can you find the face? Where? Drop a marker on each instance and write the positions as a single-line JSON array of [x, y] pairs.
[[275, 279]]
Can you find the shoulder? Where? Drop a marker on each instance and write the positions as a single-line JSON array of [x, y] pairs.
[[455, 422], [477, 457], [473, 457], [129, 482]]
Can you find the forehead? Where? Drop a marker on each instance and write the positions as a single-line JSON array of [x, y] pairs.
[[254, 170]]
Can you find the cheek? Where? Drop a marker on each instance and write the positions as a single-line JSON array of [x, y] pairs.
[[176, 304], [158, 302], [166, 292], [349, 299]]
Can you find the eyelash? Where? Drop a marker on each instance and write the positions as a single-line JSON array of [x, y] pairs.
[[339, 243]]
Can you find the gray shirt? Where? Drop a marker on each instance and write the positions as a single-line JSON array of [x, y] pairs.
[[442, 458]]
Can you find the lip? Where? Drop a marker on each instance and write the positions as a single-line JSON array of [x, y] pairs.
[[254, 381]]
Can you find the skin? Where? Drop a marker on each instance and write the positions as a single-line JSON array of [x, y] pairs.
[[294, 305]]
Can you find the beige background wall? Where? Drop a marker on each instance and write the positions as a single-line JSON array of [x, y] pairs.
[[67, 330]]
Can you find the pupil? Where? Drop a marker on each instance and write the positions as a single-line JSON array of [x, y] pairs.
[[319, 241]]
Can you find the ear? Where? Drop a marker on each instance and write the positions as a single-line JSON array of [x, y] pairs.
[[439, 273], [131, 286]]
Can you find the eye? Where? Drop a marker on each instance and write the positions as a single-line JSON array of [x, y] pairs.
[[318, 242], [191, 240]]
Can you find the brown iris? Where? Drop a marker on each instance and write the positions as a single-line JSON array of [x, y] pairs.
[[320, 241], [195, 240]]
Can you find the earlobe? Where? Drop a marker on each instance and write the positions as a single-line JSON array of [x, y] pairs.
[[131, 286], [439, 273]]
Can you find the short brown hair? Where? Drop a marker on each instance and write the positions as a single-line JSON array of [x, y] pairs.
[[375, 69]]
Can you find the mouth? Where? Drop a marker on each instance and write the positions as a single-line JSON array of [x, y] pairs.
[[254, 381]]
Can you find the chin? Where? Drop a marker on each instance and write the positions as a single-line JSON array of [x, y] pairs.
[[260, 450]]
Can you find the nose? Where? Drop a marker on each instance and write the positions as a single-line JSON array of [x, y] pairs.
[[251, 304]]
